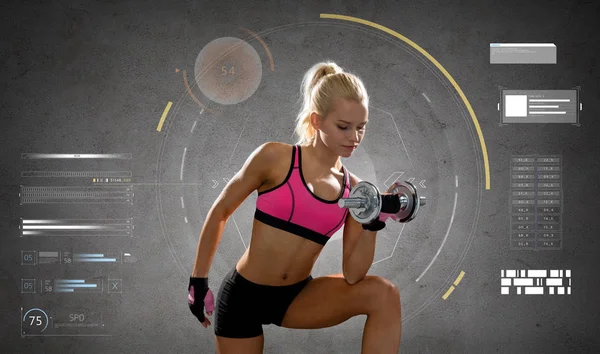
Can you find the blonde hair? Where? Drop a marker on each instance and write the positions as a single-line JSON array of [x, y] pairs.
[[322, 83]]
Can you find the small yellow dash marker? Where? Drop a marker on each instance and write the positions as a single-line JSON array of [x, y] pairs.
[[164, 115], [448, 292], [459, 278], [452, 287]]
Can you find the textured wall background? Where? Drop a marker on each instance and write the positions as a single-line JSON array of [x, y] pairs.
[[95, 77]]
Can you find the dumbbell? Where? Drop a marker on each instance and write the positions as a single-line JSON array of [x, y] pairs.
[[365, 202]]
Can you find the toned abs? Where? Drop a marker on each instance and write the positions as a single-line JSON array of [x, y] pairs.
[[276, 257]]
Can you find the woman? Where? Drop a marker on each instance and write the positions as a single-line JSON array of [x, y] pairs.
[[296, 213]]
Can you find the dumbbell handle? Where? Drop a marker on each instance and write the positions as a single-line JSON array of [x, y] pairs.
[[403, 199], [352, 202]]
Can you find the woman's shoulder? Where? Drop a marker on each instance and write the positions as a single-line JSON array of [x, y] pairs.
[[274, 152], [276, 149]]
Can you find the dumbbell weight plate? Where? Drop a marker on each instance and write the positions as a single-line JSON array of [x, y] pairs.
[[407, 189], [371, 194]]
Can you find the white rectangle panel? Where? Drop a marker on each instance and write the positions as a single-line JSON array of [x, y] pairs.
[[554, 282], [537, 273], [515, 105], [523, 282], [530, 290]]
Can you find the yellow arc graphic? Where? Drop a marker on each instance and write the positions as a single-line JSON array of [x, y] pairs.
[[441, 68]]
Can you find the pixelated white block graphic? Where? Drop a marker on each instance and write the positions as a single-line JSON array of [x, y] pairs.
[[535, 282]]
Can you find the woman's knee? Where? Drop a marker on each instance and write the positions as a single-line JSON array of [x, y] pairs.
[[383, 293]]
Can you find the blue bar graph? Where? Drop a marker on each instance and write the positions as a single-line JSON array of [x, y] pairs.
[[85, 255], [77, 285], [96, 258], [69, 281]]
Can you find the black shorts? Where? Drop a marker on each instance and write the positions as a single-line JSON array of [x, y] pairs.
[[242, 307]]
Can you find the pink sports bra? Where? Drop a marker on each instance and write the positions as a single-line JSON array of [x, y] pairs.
[[292, 207]]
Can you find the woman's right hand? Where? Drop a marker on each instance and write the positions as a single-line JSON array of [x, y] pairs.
[[200, 295]]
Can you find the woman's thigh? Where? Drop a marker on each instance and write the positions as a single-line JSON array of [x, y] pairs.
[[328, 301]]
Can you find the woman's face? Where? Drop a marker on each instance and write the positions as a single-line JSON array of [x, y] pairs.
[[343, 128]]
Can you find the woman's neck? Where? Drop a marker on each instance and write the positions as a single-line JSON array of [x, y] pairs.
[[322, 156]]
